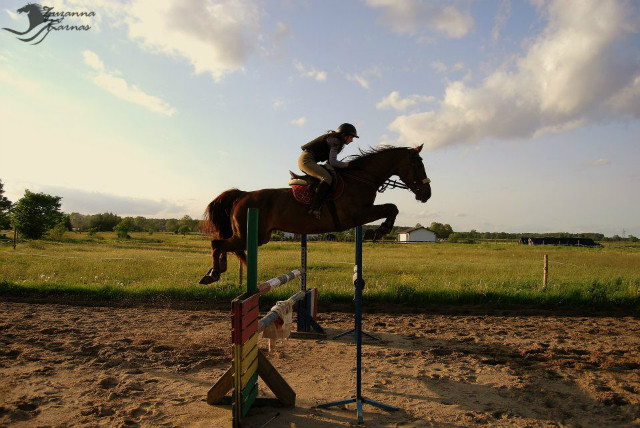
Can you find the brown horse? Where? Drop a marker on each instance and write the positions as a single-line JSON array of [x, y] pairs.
[[226, 216]]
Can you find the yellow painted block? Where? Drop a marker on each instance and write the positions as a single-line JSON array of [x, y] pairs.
[[249, 346], [252, 368]]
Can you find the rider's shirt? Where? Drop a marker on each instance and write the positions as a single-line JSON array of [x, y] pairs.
[[326, 148]]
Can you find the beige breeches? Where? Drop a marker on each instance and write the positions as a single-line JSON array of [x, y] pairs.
[[307, 164]]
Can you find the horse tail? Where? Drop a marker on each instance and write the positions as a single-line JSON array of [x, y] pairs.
[[217, 217]]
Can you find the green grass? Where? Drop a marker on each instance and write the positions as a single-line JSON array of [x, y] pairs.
[[167, 267]]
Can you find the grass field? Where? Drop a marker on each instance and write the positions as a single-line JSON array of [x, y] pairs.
[[167, 266]]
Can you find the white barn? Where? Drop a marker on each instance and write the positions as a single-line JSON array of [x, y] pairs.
[[417, 234]]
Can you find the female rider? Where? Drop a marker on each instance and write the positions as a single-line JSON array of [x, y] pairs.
[[325, 148]]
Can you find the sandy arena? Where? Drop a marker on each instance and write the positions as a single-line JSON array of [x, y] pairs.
[[79, 366]]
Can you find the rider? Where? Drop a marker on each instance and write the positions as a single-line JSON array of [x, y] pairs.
[[325, 148]]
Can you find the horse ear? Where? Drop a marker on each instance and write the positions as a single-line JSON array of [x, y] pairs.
[[419, 148]]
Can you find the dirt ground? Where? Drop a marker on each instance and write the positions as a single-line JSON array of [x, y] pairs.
[[79, 366]]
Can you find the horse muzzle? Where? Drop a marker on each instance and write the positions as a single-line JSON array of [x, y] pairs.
[[422, 192]]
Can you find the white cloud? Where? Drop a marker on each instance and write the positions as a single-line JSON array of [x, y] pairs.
[[282, 32], [93, 60], [503, 15], [119, 87], [396, 102], [412, 16], [599, 162], [583, 67], [214, 36], [89, 202], [301, 121], [439, 66], [313, 73], [12, 14], [358, 79]]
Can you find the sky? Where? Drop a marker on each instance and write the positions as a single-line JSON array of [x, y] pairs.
[[528, 110]]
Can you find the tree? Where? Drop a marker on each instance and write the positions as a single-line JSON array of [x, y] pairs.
[[104, 222], [171, 225], [189, 222], [442, 231], [123, 228], [5, 207], [36, 213]]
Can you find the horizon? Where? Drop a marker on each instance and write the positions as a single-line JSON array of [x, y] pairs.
[[528, 110]]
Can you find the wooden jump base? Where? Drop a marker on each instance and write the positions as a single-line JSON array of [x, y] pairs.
[[249, 362]]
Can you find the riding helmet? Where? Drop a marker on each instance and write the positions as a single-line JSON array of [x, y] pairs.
[[347, 129]]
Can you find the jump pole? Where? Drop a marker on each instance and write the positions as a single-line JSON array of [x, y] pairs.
[[359, 399]]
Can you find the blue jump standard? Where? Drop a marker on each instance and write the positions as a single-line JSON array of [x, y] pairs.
[[358, 398]]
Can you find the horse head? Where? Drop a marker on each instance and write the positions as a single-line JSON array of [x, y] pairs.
[[413, 174]]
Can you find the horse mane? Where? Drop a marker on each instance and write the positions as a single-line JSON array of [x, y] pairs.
[[372, 151]]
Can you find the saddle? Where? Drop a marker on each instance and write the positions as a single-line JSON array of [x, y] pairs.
[[304, 186]]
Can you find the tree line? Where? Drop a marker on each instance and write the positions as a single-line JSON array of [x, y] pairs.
[[38, 213]]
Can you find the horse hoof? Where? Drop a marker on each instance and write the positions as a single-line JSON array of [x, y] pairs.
[[210, 278]]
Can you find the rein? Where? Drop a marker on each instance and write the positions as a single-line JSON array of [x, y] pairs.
[[388, 184], [392, 184]]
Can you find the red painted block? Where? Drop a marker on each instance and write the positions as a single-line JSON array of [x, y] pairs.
[[249, 304]]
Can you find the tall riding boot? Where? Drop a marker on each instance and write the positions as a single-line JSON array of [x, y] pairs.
[[315, 209]]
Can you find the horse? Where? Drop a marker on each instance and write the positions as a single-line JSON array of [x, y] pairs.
[[225, 218]]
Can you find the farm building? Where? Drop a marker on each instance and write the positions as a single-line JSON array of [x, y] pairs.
[[417, 234], [576, 242]]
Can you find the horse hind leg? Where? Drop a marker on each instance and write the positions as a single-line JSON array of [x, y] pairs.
[[213, 275], [219, 249]]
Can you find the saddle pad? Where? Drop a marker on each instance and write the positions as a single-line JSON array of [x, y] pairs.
[[303, 193]]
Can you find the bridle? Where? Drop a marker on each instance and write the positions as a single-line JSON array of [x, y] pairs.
[[392, 184]]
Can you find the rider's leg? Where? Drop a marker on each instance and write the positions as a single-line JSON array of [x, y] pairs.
[[307, 163], [315, 209]]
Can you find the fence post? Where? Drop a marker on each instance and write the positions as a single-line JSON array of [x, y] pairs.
[[546, 271], [252, 251]]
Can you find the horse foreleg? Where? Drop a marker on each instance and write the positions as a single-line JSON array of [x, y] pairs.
[[387, 211]]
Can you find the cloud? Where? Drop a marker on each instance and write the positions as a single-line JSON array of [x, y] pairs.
[[282, 32], [93, 60], [503, 15], [583, 67], [86, 202], [439, 66], [394, 101], [318, 75], [215, 36], [358, 79], [599, 162], [119, 87], [300, 121], [412, 16]]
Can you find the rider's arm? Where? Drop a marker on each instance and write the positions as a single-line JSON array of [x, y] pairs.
[[335, 146]]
